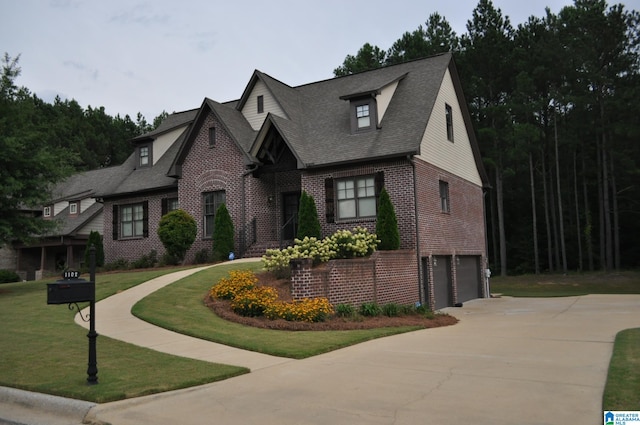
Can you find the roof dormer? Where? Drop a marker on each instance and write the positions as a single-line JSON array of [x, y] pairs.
[[368, 106]]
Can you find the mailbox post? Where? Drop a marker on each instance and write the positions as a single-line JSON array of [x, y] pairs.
[[72, 290]]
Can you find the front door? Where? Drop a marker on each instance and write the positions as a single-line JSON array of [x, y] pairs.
[[290, 205]]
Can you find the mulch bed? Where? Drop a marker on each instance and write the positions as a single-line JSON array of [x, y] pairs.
[[221, 308]]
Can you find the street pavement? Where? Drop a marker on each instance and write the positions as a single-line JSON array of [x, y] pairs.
[[508, 361]]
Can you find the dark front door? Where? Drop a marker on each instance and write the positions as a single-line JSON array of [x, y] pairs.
[[290, 204]]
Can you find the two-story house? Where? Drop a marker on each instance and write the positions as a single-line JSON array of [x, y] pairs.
[[404, 127]]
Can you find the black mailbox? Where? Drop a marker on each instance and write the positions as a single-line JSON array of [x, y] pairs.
[[71, 289]]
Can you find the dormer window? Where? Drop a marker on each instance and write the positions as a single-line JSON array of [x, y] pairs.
[[47, 212], [73, 208], [144, 156], [363, 117], [363, 114]]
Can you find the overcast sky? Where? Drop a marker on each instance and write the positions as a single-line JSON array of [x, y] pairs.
[[148, 56]]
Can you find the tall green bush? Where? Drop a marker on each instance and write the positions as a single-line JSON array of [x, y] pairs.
[[308, 223], [222, 234], [95, 239], [387, 223], [177, 231]]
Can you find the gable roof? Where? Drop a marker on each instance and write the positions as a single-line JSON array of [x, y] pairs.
[[316, 125]]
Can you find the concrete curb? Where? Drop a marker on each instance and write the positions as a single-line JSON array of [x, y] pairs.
[[31, 408]]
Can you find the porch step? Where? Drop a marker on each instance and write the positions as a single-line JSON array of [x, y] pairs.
[[258, 249]]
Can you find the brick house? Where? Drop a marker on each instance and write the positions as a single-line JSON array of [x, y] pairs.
[[404, 127]]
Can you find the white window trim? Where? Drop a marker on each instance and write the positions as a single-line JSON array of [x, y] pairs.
[[356, 198]]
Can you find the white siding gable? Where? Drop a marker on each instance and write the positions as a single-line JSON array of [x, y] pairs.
[[58, 207], [86, 203], [96, 225], [164, 142], [384, 98], [250, 109], [455, 157]]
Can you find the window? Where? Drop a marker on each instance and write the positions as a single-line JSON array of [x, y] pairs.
[[211, 201], [132, 221], [73, 208], [168, 205], [362, 116], [47, 211], [449, 118], [356, 197], [212, 137], [144, 156], [260, 104], [444, 197]]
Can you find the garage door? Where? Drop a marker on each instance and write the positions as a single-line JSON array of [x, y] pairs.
[[468, 277], [442, 281]]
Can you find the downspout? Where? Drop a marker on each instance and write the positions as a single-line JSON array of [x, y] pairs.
[[243, 211], [486, 273], [415, 206]]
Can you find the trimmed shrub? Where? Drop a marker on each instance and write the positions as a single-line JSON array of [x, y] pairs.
[[202, 256], [7, 276], [119, 264], [95, 239], [308, 223], [147, 261], [387, 224], [177, 231], [222, 234]]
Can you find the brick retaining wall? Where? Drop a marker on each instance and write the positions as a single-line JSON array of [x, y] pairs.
[[385, 277]]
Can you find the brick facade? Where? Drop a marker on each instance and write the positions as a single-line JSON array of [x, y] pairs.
[[385, 277]]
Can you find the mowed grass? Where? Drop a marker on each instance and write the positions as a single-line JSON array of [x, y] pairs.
[[622, 390], [43, 350], [180, 307], [572, 284]]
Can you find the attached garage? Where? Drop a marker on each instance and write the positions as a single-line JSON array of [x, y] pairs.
[[442, 283], [468, 277]]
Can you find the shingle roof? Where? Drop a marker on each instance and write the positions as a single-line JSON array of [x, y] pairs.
[[173, 121]]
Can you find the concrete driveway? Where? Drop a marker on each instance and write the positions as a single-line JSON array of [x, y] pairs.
[[509, 361]]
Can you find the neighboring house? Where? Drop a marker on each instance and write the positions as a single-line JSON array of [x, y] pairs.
[[76, 212], [404, 127]]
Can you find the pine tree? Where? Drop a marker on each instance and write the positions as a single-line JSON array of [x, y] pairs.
[[308, 223], [387, 224], [222, 234]]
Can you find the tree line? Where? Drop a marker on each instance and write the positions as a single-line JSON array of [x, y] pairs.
[[555, 110], [42, 143]]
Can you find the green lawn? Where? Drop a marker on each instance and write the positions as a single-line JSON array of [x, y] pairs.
[[572, 284], [192, 317], [43, 350], [622, 391]]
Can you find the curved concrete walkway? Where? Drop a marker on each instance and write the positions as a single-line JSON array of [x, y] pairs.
[[509, 361], [114, 319]]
